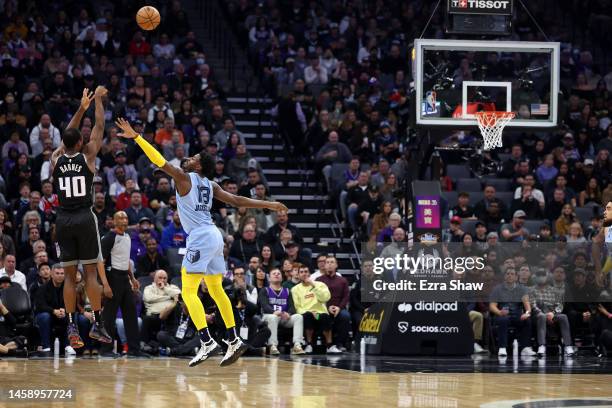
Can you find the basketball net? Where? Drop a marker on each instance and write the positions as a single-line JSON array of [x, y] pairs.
[[491, 126]]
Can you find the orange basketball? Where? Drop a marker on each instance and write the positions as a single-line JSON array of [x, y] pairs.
[[148, 18]]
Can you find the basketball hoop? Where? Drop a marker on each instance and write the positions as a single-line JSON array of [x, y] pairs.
[[491, 126]]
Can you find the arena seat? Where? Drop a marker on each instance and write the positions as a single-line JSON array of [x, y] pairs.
[[585, 214], [500, 184], [468, 185], [144, 282], [175, 259], [17, 301], [533, 226], [458, 171], [506, 197], [451, 198]]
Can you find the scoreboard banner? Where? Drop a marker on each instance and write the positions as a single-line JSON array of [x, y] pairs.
[[497, 7]]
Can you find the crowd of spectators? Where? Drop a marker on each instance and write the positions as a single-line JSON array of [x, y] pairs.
[[163, 86], [341, 72]]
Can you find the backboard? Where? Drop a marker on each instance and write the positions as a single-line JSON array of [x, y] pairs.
[[454, 79]]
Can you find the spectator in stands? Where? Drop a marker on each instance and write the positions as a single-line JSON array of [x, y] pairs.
[[26, 249], [223, 135], [294, 253], [272, 236], [527, 203], [174, 236], [169, 134], [151, 261], [378, 178], [29, 266], [160, 106], [278, 310], [160, 299], [547, 304], [238, 166], [313, 310], [165, 214], [560, 182], [160, 197], [515, 231], [580, 298], [368, 206], [332, 152], [336, 305], [120, 160], [124, 199], [454, 233], [591, 193], [241, 283], [44, 274], [510, 166], [9, 269], [481, 209], [354, 196], [509, 305], [380, 220], [247, 245], [320, 271], [387, 142], [253, 179], [463, 209], [267, 259], [178, 333], [139, 47], [44, 130], [395, 220], [555, 206], [51, 314], [137, 212], [292, 277], [565, 220], [315, 74]]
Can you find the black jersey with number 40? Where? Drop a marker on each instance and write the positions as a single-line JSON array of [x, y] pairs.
[[73, 181]]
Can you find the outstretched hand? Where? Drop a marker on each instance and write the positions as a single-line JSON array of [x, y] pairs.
[[278, 206], [86, 98], [128, 131], [100, 91]]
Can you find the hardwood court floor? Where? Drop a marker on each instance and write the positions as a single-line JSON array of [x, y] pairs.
[[263, 382]]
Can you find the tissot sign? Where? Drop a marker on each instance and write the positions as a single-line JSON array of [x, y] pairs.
[[503, 7]]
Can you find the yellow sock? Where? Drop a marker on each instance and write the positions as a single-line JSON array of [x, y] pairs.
[[191, 283], [215, 288]]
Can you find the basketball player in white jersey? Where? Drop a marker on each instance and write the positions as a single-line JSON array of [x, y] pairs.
[[204, 256], [604, 237]]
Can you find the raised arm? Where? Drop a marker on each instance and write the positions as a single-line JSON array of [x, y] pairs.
[[92, 148], [55, 155], [181, 180], [239, 201], [78, 116]]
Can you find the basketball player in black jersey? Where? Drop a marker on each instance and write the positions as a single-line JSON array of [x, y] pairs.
[[76, 225]]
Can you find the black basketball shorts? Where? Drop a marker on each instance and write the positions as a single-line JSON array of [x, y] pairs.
[[77, 235]]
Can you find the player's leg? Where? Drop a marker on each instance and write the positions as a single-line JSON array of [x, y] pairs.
[[94, 293], [89, 252], [68, 254], [189, 292], [236, 347]]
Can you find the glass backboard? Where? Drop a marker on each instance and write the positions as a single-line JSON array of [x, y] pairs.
[[454, 79]]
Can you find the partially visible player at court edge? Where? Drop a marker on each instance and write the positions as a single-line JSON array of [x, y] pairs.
[[204, 256], [76, 225], [604, 237]]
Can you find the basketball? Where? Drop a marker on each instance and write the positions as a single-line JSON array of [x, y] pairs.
[[148, 18]]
